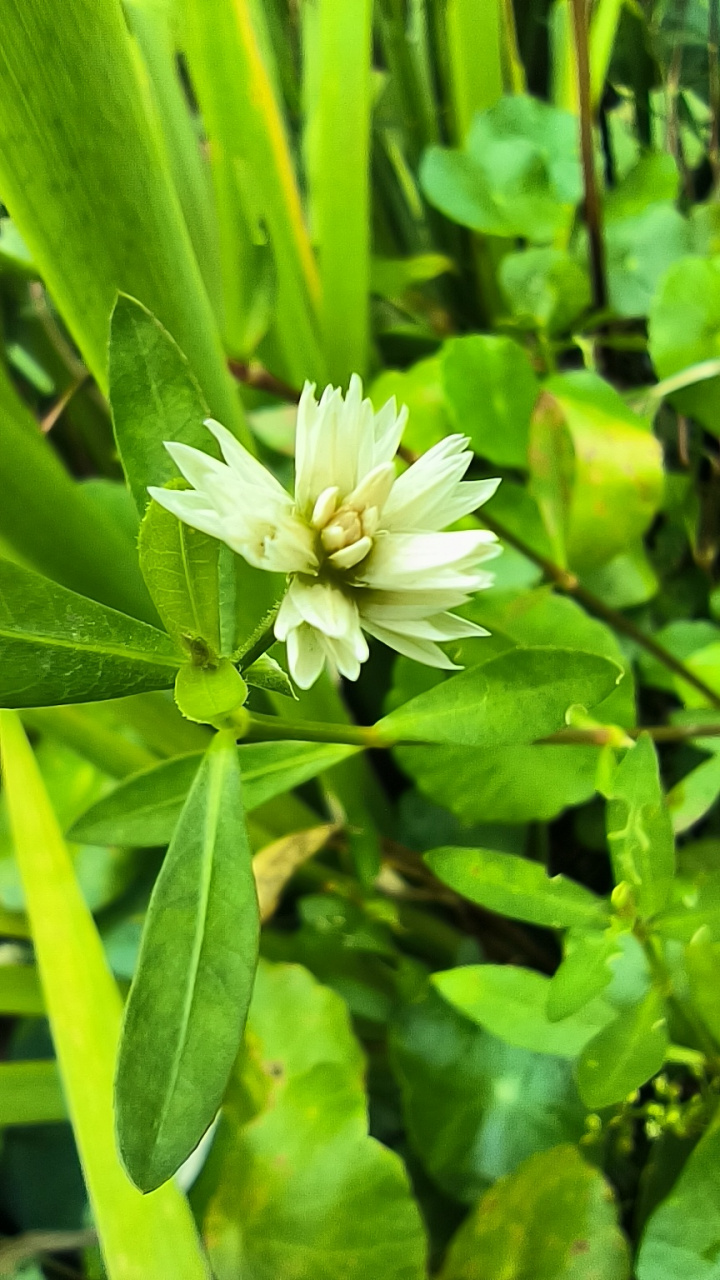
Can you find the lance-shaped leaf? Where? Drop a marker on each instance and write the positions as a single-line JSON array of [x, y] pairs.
[[187, 1006], [58, 647], [639, 828], [517, 887], [140, 1236], [625, 1054], [144, 809], [517, 697], [180, 567], [682, 1237]]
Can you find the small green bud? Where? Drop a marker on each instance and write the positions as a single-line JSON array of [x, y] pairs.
[[209, 694]]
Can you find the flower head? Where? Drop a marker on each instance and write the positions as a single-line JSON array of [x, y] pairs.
[[361, 546]]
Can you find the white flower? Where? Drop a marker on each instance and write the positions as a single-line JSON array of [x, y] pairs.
[[360, 545]]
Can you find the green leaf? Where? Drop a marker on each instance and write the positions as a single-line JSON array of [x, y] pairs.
[[20, 990], [625, 1054], [617, 481], [154, 397], [546, 287], [186, 1011], [491, 391], [684, 329], [682, 1238], [209, 694], [421, 389], [653, 178], [639, 829], [692, 798], [51, 522], [515, 698], [699, 908], [640, 249], [517, 887], [144, 809], [474, 1106], [58, 647], [583, 973], [701, 960], [293, 1180], [139, 1236], [339, 193], [30, 1093], [180, 568], [266, 673], [554, 1218], [519, 174], [511, 1003], [96, 205]]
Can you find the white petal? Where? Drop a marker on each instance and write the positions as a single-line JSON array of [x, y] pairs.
[[427, 485], [433, 561], [197, 467], [324, 607], [348, 557], [421, 650], [246, 468], [304, 443], [374, 489], [324, 507], [306, 655], [389, 427], [190, 507], [347, 656], [438, 626]]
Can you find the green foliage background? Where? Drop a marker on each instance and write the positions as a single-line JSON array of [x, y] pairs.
[[482, 1040]]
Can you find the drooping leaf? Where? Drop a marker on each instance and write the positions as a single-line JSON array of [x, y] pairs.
[[512, 1004], [274, 865], [474, 1106], [58, 647], [625, 1054], [144, 809], [517, 887], [491, 390], [139, 1236], [186, 1011], [293, 1174], [639, 828], [517, 697], [553, 1218]]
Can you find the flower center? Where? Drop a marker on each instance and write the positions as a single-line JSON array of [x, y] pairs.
[[346, 531]]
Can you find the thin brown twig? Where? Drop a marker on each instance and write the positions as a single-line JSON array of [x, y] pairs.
[[593, 211], [571, 585], [256, 376], [48, 422]]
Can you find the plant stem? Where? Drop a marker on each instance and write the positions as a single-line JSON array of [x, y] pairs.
[[593, 213], [571, 585], [264, 728]]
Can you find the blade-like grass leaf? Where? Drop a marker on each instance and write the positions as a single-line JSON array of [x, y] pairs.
[[142, 1238]]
